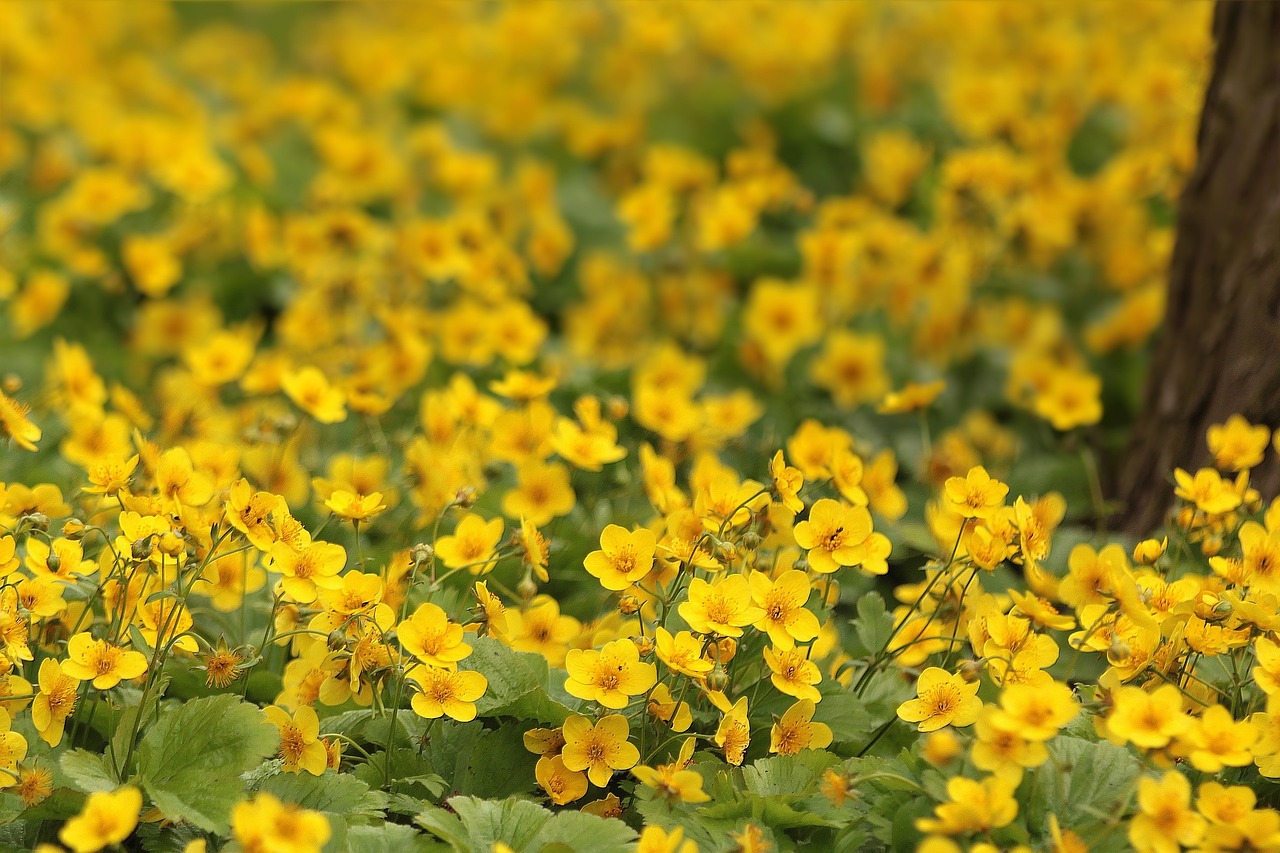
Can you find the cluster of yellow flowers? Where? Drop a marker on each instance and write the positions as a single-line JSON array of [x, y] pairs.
[[420, 374]]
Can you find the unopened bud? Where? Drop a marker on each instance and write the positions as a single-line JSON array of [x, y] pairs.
[[1223, 608], [36, 520], [644, 645], [617, 408], [1149, 550], [465, 498], [1211, 545], [172, 543], [12, 383], [422, 553], [337, 641], [971, 670], [142, 549], [629, 604], [726, 648], [54, 562], [527, 588], [73, 528], [750, 540], [718, 678]]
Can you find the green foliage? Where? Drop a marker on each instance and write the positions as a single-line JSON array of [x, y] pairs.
[[476, 825], [190, 762]]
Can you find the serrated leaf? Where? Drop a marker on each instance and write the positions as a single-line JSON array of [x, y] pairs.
[[583, 833], [787, 775], [486, 822], [337, 793], [519, 684], [1079, 779], [190, 761], [387, 836], [874, 624], [88, 771]]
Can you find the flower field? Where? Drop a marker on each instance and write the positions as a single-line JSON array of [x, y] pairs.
[[611, 426]]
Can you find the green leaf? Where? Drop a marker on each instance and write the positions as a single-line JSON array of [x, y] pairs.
[[787, 775], [482, 762], [190, 761], [584, 833], [874, 624], [339, 794], [387, 836], [486, 822], [88, 771], [476, 825], [1079, 783], [519, 684]]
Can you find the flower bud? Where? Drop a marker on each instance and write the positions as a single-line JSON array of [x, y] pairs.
[[336, 640], [422, 553], [750, 540], [629, 604], [644, 645], [54, 562], [142, 549], [1119, 652], [617, 407], [718, 678], [465, 498], [970, 670], [527, 588], [172, 543], [73, 528], [35, 520], [12, 383], [1149, 550]]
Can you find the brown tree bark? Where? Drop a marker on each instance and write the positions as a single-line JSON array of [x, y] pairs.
[[1219, 351]]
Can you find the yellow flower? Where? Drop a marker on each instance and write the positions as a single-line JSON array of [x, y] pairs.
[[355, 507], [13, 748], [683, 653], [472, 544], [251, 512], [795, 730], [974, 806], [610, 676], [542, 492], [722, 608], [311, 391], [562, 785], [300, 745], [668, 710], [15, 424], [599, 749], [836, 535], [787, 482], [1216, 741], [1039, 711], [1002, 748], [785, 619], [943, 699], [655, 839], [1237, 444], [430, 637], [1147, 720], [793, 673], [107, 818], [1207, 490], [976, 495], [537, 551], [913, 396], [265, 824], [674, 782], [733, 735], [55, 702], [1165, 819], [624, 558], [307, 570], [106, 664], [446, 691]]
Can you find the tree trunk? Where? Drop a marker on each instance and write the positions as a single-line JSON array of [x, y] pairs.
[[1219, 351]]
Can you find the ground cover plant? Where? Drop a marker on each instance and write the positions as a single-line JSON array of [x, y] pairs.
[[610, 426]]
